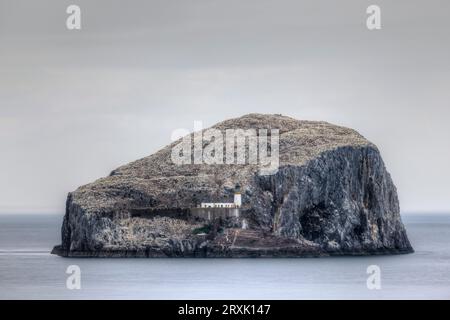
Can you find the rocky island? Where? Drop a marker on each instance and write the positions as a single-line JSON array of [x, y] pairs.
[[330, 195]]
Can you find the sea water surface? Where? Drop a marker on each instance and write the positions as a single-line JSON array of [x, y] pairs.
[[29, 271]]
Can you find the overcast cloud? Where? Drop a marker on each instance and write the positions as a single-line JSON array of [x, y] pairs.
[[76, 104]]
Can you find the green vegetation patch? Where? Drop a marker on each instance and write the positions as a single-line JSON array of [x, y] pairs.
[[205, 229]]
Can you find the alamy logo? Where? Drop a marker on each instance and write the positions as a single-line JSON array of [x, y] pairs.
[[242, 146], [373, 21], [374, 280], [73, 21], [74, 280]]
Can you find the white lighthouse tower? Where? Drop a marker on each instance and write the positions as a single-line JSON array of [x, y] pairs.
[[237, 197]]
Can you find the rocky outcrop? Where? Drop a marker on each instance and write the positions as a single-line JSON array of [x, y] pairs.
[[331, 195]]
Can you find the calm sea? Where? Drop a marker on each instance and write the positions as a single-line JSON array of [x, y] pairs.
[[28, 271]]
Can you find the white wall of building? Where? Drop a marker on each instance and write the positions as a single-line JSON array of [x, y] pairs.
[[237, 203]]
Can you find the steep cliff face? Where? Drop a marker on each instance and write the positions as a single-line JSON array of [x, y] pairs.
[[344, 200], [331, 195]]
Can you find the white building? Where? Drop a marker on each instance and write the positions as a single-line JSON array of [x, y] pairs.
[[236, 204]]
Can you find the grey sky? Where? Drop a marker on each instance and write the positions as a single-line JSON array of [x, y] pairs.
[[76, 104]]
